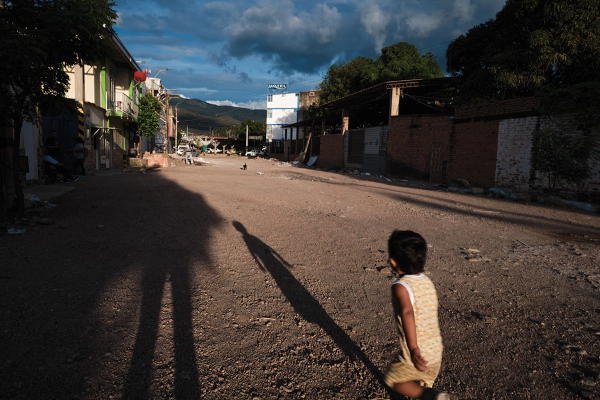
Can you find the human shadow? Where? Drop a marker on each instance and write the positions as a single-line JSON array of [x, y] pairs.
[[268, 260], [102, 301]]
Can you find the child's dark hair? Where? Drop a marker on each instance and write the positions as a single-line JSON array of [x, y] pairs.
[[409, 250]]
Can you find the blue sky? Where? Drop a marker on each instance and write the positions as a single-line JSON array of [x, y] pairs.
[[227, 52]]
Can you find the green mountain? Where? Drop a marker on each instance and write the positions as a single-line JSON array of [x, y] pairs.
[[199, 117]]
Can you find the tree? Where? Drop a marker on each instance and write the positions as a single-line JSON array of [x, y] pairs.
[[530, 44], [397, 62], [149, 115], [562, 151], [40, 38]]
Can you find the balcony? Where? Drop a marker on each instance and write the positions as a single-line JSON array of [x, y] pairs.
[[122, 106]]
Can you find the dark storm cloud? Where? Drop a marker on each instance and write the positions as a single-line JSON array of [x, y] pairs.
[[306, 37], [244, 78]]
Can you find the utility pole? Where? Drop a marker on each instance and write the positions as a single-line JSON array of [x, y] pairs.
[[176, 121], [246, 138], [169, 124]]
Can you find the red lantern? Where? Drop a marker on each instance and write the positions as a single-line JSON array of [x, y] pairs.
[[139, 76]]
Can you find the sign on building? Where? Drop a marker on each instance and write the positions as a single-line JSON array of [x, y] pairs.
[[255, 137], [281, 86]]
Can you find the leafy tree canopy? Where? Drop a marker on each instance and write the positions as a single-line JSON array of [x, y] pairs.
[[49, 35], [149, 115], [397, 62], [530, 44]]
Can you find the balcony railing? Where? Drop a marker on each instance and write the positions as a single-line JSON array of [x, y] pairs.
[[124, 104]]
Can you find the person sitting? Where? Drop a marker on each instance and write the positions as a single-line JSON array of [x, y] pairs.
[[52, 164]]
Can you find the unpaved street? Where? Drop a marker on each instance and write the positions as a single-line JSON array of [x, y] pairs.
[[217, 283]]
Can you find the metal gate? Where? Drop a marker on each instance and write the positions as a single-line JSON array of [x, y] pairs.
[[435, 162], [354, 145], [374, 160], [366, 149]]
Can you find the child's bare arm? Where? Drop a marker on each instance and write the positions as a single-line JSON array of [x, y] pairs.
[[407, 315]]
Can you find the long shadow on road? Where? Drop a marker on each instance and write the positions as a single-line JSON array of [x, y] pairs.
[[92, 305], [300, 298]]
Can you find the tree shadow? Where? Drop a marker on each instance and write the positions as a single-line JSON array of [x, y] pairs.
[[80, 297], [268, 260], [487, 208]]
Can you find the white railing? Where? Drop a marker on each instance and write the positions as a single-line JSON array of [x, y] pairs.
[[124, 104]]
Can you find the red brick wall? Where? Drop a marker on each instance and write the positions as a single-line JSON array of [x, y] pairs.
[[515, 106], [117, 159], [410, 141], [156, 160], [473, 150], [332, 152]]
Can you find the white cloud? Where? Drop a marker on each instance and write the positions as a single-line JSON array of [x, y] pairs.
[[375, 22], [422, 24], [197, 90], [253, 105], [464, 10]]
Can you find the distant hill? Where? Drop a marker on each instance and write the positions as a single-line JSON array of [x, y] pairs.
[[199, 116]]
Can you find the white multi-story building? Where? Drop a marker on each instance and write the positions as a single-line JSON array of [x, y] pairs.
[[282, 109]]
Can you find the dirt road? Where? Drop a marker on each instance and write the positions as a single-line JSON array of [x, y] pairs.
[[217, 283]]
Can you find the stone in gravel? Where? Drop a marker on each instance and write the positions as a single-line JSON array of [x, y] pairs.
[[588, 382], [184, 375], [72, 357]]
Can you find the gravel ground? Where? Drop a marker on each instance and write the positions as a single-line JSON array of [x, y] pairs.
[[217, 283]]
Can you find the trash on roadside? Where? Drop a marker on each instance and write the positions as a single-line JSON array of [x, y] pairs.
[[33, 197], [523, 243], [13, 231], [311, 161], [260, 173], [577, 204], [501, 192]]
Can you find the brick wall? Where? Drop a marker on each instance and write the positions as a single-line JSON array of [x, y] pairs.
[[90, 161], [473, 149], [513, 167], [514, 106], [411, 139], [332, 152], [117, 159], [156, 160]]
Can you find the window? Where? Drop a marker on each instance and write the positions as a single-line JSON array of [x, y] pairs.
[[270, 114], [270, 98], [112, 91]]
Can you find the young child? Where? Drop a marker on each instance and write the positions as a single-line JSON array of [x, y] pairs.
[[415, 307]]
